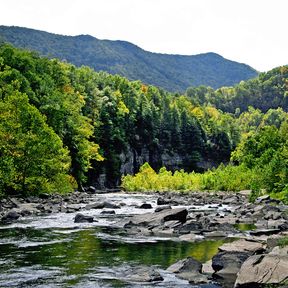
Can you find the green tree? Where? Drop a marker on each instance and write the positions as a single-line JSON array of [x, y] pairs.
[[32, 156]]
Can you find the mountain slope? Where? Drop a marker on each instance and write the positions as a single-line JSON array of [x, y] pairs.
[[171, 72]]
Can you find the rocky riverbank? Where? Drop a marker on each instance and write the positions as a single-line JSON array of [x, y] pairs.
[[186, 217]]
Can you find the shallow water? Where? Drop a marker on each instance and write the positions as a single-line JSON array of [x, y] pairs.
[[53, 251]]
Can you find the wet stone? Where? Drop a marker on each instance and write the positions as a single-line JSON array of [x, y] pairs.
[[80, 218]]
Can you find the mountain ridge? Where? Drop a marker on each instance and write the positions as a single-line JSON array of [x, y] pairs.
[[172, 72]]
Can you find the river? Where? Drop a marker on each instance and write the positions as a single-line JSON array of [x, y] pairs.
[[53, 251]]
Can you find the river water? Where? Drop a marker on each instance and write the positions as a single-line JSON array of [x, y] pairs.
[[53, 251]]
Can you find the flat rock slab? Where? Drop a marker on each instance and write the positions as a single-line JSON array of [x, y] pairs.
[[263, 269], [264, 232], [242, 245], [158, 218]]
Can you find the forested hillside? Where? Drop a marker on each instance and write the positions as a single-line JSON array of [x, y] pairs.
[[268, 90], [260, 159], [63, 127], [172, 72]]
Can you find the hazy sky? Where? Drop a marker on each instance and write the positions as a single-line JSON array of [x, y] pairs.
[[254, 32]]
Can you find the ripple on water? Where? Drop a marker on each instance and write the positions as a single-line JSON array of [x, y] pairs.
[[53, 251]]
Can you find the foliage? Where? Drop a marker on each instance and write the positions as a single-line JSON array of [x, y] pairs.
[[33, 159], [99, 117], [224, 178], [171, 72], [59, 123], [283, 241], [267, 91]]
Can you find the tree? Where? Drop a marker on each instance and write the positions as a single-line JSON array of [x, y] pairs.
[[32, 156]]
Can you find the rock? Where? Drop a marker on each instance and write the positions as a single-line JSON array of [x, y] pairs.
[[156, 219], [163, 232], [191, 237], [272, 215], [80, 218], [262, 270], [91, 189], [189, 269], [161, 201], [10, 216], [14, 202], [231, 200], [28, 208], [160, 208], [142, 274], [145, 206], [172, 224], [216, 234], [259, 232], [102, 205], [185, 265], [263, 199], [279, 251], [207, 267], [280, 224], [273, 240], [242, 245], [108, 212], [44, 196], [190, 225], [228, 262]]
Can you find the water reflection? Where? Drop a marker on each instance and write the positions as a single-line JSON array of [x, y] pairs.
[[75, 256]]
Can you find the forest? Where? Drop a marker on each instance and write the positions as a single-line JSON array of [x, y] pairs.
[[170, 72], [62, 128]]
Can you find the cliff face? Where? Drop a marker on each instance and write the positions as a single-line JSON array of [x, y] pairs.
[[132, 160]]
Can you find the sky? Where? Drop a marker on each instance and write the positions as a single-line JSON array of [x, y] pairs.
[[253, 32]]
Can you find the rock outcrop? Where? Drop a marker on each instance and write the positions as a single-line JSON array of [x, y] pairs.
[[264, 269]]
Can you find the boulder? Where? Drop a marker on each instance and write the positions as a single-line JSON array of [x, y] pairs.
[[207, 267], [262, 199], [161, 201], [80, 218], [102, 205], [156, 219], [142, 275], [28, 208], [260, 270], [15, 202], [108, 212], [280, 224], [228, 262], [190, 225], [189, 269], [10, 216], [160, 208], [242, 245], [145, 206]]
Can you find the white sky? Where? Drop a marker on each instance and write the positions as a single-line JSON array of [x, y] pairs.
[[254, 32]]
